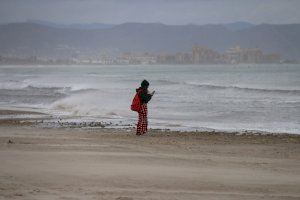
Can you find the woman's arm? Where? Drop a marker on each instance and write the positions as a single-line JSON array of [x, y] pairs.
[[145, 97]]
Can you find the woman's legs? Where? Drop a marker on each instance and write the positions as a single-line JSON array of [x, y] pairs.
[[142, 125]]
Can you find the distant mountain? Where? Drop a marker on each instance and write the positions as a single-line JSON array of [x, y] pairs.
[[237, 26], [90, 26], [46, 40]]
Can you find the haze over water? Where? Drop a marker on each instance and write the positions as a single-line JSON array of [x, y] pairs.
[[204, 97]]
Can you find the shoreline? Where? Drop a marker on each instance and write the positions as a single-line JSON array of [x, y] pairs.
[[44, 120]]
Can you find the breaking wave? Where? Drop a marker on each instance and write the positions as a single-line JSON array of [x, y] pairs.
[[28, 87], [246, 89]]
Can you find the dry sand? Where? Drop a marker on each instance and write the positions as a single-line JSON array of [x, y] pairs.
[[70, 164]]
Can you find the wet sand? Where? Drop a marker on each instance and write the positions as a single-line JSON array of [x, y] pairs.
[[19, 112], [79, 163]]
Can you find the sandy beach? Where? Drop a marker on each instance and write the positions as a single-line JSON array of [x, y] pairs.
[[88, 163]]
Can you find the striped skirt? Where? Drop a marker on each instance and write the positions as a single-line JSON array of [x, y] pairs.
[[143, 121]]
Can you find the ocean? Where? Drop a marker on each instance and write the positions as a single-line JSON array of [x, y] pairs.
[[188, 97]]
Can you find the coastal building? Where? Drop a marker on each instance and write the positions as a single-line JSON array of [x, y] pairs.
[[203, 55], [271, 58], [129, 58], [198, 55], [233, 55], [251, 56], [183, 58], [166, 59], [238, 55]]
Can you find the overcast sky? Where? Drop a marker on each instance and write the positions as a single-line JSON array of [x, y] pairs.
[[164, 11]]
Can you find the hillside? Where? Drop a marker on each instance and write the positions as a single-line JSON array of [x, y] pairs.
[[41, 40]]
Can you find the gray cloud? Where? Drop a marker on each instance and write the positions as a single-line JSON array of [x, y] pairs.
[[164, 11]]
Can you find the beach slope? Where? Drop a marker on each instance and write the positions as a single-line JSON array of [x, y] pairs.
[[72, 164]]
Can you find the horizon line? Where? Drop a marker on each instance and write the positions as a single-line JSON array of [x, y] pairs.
[[37, 21]]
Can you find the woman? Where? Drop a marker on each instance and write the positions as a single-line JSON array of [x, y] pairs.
[[145, 97]]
